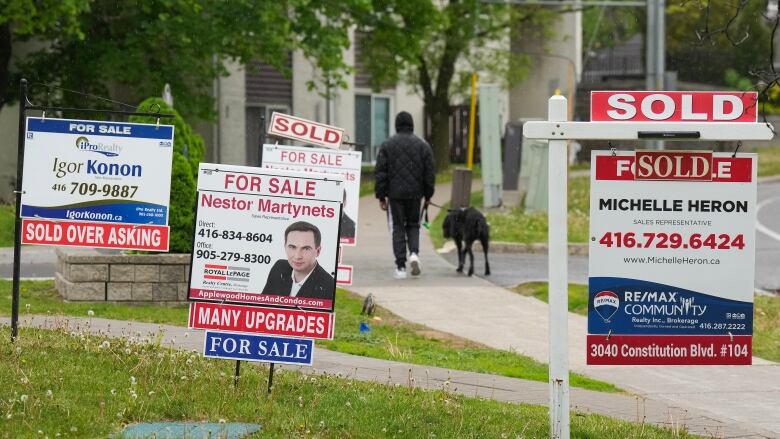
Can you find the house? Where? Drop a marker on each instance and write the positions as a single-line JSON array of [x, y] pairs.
[[246, 95]]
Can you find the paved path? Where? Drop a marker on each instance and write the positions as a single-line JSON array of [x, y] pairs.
[[768, 237], [625, 407], [744, 397]]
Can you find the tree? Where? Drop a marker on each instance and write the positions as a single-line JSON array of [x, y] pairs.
[[436, 46], [130, 49], [23, 20], [188, 151], [705, 39]]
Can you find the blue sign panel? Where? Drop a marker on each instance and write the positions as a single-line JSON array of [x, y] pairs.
[[251, 347], [633, 306]]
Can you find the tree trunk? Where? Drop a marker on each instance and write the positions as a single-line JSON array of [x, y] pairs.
[[440, 136]]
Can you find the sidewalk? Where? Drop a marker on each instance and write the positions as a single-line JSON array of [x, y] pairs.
[[741, 397], [625, 407]]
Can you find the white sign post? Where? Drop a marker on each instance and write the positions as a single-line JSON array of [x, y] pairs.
[[558, 131]]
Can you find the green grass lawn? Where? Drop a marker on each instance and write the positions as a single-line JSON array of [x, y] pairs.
[[7, 225], [390, 337], [514, 225], [766, 315], [59, 384], [768, 160]]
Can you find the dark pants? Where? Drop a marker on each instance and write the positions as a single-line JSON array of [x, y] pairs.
[[404, 218]]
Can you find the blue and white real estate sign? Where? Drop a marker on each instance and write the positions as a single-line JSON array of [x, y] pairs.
[[96, 183], [672, 257], [250, 347]]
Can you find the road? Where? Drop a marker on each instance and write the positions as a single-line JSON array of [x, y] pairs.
[[768, 237], [511, 269]]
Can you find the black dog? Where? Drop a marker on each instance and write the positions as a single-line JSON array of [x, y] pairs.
[[465, 226]]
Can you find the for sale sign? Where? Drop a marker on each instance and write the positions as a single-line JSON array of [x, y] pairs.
[[346, 164], [96, 184], [258, 348], [672, 254], [266, 237], [666, 106]]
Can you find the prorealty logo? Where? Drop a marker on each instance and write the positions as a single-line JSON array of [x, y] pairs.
[[84, 144]]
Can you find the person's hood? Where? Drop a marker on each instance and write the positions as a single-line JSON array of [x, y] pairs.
[[404, 123]]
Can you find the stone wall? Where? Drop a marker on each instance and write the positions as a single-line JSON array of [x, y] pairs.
[[93, 275]]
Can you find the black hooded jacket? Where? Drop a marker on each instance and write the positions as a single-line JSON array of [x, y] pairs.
[[404, 165]]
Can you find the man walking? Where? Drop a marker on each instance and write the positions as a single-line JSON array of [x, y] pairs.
[[404, 175]]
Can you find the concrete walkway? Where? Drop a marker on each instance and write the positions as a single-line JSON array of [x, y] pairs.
[[625, 407], [743, 398]]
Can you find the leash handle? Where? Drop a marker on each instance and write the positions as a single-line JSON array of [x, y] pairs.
[[424, 217]]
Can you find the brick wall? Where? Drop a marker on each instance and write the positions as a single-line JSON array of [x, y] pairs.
[[94, 276]]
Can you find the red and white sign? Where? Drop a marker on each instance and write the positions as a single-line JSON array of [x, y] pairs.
[[307, 131], [346, 164], [667, 106], [723, 168], [344, 275], [670, 350], [259, 320], [241, 252], [95, 234], [671, 258]]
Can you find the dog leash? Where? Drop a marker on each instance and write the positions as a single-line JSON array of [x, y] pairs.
[[424, 215]]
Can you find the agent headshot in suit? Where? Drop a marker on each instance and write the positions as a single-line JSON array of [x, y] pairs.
[[300, 275]]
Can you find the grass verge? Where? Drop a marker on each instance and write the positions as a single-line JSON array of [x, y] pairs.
[[390, 338], [7, 225], [766, 315], [768, 160], [515, 225], [60, 384]]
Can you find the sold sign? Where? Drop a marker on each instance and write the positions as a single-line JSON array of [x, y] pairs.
[[650, 106], [284, 125], [674, 165]]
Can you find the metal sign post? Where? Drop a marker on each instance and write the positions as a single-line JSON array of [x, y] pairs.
[[557, 130]]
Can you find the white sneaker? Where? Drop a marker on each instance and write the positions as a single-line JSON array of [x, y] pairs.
[[414, 261], [400, 273]]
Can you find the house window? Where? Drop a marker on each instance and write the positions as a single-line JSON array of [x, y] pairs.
[[372, 124], [254, 116]]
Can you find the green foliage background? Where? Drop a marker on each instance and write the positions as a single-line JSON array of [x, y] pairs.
[[188, 152]]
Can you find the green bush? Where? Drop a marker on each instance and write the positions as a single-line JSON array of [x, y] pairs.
[[188, 151], [181, 214]]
